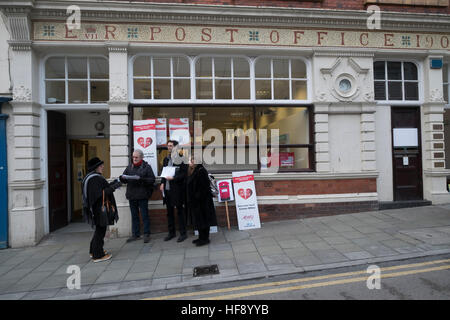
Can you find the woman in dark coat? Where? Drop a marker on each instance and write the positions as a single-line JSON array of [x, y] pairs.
[[200, 201], [93, 186]]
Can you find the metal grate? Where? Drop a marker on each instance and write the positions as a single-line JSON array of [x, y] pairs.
[[206, 270]]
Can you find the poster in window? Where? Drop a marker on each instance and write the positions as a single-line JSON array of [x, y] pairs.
[[287, 159], [179, 131], [161, 132], [245, 197], [144, 137]]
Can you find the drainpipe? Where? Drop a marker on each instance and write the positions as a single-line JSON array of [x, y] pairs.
[[3, 178]]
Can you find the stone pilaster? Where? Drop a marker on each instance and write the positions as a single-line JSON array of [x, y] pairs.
[[368, 145], [321, 137], [119, 129]]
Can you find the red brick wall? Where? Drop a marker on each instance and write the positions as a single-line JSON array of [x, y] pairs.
[[158, 218], [324, 4]]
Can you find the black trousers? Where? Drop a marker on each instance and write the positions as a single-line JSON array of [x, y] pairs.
[[97, 242], [203, 234], [171, 218]]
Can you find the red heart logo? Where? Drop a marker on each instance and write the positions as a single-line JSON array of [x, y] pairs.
[[245, 194], [145, 144]]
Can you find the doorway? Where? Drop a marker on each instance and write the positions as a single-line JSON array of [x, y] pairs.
[[406, 153], [81, 150]]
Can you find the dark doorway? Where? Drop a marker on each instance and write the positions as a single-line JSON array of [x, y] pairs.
[[406, 152], [57, 169]]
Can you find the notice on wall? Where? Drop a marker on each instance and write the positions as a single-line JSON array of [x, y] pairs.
[[246, 203], [161, 131], [405, 137], [225, 188], [179, 131], [145, 140]]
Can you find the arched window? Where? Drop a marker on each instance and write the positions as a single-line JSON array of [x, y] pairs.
[[396, 81], [161, 78], [76, 80], [222, 78], [280, 79]]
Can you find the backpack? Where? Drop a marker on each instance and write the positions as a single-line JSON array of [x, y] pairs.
[[87, 210], [213, 185]]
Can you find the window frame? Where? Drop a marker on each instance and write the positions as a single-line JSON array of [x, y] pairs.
[[66, 105], [403, 81], [444, 84], [310, 146], [194, 99]]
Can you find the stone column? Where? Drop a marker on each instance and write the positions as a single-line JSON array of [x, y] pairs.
[[432, 116], [25, 183], [321, 137], [119, 129]]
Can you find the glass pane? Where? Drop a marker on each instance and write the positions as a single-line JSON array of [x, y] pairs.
[[288, 159], [292, 123], [241, 68], [77, 68], [181, 67], [445, 73], [395, 90], [55, 92], [161, 67], [242, 89], [142, 89], [203, 67], [162, 89], [99, 68], [182, 89], [239, 159], [299, 91], [78, 92], [446, 89], [298, 68], [141, 67], [281, 88], [204, 89], [263, 89], [280, 68], [226, 118], [99, 91], [54, 68], [411, 91], [394, 70], [262, 68], [222, 67], [379, 70], [223, 89], [409, 71], [380, 90]]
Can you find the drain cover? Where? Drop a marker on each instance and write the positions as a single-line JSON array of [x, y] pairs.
[[205, 270]]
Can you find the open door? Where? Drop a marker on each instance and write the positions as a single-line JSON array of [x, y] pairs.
[[57, 170]]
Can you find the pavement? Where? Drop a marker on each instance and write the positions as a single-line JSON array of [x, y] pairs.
[[277, 248]]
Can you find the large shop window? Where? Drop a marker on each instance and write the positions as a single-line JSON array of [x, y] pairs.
[[396, 81], [234, 125], [76, 80]]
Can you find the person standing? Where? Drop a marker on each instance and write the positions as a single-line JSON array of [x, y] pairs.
[[139, 190], [95, 190], [199, 200], [173, 190]]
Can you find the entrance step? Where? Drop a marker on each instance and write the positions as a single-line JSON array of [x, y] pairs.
[[386, 205]]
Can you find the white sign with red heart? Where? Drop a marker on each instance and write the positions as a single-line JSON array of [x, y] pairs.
[[144, 132], [246, 202]]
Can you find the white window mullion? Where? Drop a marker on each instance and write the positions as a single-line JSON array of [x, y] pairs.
[[403, 82], [171, 79], [272, 86], [252, 80], [152, 84], [232, 78], [66, 81], [386, 80], [290, 80], [89, 80], [213, 82]]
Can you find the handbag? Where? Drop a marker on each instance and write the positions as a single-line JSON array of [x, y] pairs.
[[108, 212]]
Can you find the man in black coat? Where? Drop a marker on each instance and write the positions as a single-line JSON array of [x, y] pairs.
[[140, 183], [173, 190]]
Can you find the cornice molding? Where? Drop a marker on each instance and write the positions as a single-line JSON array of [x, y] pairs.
[[231, 15], [20, 45]]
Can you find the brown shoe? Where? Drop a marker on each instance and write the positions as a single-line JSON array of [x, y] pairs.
[[104, 258]]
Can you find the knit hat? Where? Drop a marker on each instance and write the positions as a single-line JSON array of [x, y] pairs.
[[94, 163]]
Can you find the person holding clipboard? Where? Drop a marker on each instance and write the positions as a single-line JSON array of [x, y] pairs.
[[173, 190]]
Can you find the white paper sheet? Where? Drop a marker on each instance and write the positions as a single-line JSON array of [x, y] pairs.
[[168, 172]]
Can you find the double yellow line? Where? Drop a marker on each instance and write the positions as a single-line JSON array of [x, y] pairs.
[[306, 286]]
